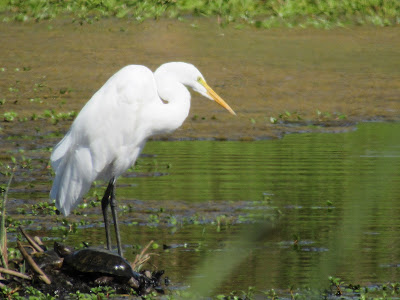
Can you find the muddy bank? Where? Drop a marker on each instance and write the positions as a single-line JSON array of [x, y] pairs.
[[278, 81]]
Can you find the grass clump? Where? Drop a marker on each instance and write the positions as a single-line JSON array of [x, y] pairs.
[[265, 14]]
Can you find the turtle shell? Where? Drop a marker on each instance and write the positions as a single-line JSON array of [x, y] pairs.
[[99, 261]]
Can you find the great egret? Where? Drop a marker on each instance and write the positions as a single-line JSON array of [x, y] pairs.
[[110, 131]]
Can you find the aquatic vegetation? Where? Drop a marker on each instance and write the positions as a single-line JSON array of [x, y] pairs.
[[22, 161], [336, 284], [261, 14], [237, 295], [44, 208], [98, 293], [56, 117], [324, 116], [9, 116], [295, 117], [203, 118], [336, 287], [37, 100], [153, 219], [286, 116], [13, 89], [64, 91]]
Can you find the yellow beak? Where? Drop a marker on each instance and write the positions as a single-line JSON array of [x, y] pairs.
[[215, 96]]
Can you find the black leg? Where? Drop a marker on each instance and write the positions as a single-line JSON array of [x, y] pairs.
[[113, 205], [104, 206]]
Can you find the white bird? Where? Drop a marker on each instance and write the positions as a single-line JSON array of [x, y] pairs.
[[110, 131]]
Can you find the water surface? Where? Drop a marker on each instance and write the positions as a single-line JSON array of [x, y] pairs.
[[332, 201], [338, 194]]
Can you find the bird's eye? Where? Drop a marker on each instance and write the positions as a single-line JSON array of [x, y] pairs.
[[201, 80]]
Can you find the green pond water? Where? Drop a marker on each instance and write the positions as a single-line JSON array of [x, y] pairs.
[[354, 237], [337, 194]]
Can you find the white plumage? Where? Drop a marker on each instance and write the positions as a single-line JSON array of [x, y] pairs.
[[110, 131]]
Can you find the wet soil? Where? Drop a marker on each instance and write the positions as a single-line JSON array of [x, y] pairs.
[[65, 283], [306, 79]]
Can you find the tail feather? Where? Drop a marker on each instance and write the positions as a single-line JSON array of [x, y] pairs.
[[73, 177], [60, 151]]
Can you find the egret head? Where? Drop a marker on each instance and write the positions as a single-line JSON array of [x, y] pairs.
[[190, 76]]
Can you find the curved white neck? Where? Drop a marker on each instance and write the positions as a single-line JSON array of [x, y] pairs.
[[170, 115]]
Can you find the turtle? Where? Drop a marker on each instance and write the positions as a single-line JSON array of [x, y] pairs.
[[103, 266]]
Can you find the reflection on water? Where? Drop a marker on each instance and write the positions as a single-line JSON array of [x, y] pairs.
[[338, 195]]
